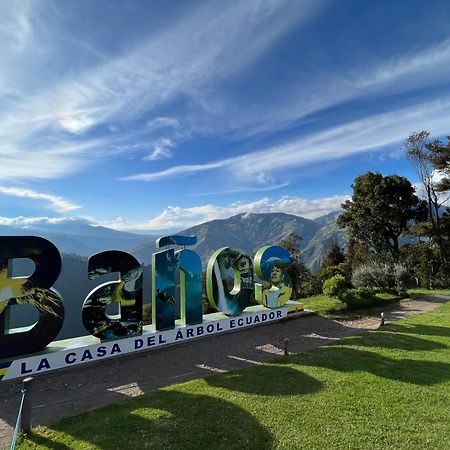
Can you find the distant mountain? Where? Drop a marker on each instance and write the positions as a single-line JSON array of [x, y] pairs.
[[252, 231], [327, 219], [316, 249], [79, 237]]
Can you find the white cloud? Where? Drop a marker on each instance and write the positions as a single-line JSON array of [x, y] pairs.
[[178, 171], [24, 222], [195, 51], [17, 27], [75, 124], [178, 218], [57, 203], [359, 136], [161, 150], [163, 122], [187, 59], [412, 65]]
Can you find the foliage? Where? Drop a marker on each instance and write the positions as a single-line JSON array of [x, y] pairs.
[[357, 252], [334, 255], [379, 211], [428, 156], [335, 286], [316, 281], [298, 272], [424, 262], [383, 276], [360, 297], [387, 389], [441, 161]]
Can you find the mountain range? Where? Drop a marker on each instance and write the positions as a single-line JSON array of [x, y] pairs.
[[245, 231], [252, 231], [78, 236]]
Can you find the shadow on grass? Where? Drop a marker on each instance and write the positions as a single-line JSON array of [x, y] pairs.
[[163, 419], [392, 340], [426, 330], [342, 359], [271, 380]]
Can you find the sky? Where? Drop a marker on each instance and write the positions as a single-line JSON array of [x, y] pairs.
[[152, 115]]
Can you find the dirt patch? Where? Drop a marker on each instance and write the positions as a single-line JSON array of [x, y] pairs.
[[71, 391]]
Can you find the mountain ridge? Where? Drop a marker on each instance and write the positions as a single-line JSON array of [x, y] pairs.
[[250, 231]]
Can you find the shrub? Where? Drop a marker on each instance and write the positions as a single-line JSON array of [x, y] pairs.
[[335, 286], [359, 298], [383, 277], [315, 284], [403, 278]]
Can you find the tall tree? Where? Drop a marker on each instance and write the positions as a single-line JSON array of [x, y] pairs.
[[380, 210], [334, 255], [441, 160], [431, 157], [297, 270]]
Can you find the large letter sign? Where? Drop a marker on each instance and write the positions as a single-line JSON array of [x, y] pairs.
[[271, 265], [165, 265], [176, 274], [127, 292], [229, 278], [34, 290]]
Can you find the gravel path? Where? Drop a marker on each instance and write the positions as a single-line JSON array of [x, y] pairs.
[[68, 392]]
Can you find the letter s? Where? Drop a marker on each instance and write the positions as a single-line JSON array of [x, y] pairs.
[[271, 266]]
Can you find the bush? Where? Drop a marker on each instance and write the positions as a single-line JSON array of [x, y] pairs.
[[403, 278], [359, 298], [315, 284], [383, 277], [335, 286]]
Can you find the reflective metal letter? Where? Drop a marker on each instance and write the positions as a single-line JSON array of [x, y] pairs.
[[35, 290], [127, 291]]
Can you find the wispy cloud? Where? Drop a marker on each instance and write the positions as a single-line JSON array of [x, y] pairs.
[[17, 25], [161, 150], [24, 222], [358, 136], [57, 203], [163, 122], [189, 59], [192, 53]]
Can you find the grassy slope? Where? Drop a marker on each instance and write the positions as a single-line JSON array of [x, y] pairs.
[[334, 308], [386, 389]]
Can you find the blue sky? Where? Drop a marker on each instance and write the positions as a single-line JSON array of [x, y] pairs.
[[156, 115]]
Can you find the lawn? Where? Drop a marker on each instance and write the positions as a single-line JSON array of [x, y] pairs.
[[333, 308], [388, 389], [417, 292]]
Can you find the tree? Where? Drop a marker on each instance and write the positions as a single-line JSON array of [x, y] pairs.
[[440, 158], [334, 255], [298, 272], [430, 158], [380, 210], [357, 252]]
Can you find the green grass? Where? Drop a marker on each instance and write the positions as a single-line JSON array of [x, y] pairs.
[[388, 389], [334, 309], [421, 291]]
